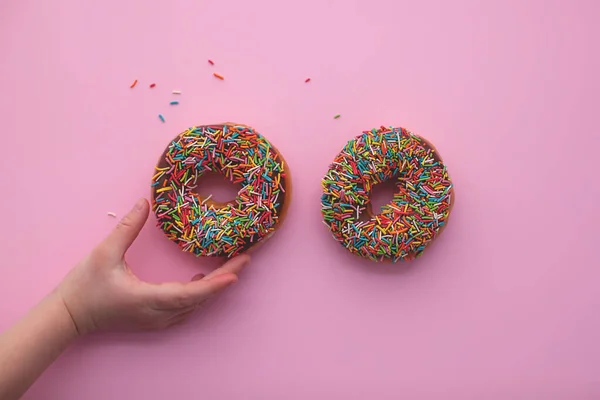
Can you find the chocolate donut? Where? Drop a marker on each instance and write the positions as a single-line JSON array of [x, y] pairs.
[[207, 228]]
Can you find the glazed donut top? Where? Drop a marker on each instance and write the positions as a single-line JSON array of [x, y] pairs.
[[202, 226], [418, 210]]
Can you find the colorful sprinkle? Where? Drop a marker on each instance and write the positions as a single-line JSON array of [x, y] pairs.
[[307, 80], [174, 103], [176, 92], [160, 116], [218, 76], [133, 84], [337, 116], [112, 214], [152, 85], [211, 62], [418, 210], [201, 226]]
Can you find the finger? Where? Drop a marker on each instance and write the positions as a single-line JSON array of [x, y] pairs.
[[128, 228], [174, 295], [183, 315], [177, 321], [232, 266], [177, 310]]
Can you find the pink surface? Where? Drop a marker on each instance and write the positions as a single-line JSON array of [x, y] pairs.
[[504, 305]]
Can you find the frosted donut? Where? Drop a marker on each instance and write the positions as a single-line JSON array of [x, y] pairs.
[[418, 211], [202, 226]]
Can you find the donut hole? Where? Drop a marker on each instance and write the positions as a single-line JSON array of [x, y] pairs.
[[215, 185], [382, 194]]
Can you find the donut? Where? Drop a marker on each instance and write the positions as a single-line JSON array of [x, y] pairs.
[[420, 206], [203, 226]]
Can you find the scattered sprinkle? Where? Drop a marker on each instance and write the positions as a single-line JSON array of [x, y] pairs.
[[307, 80], [174, 102], [211, 62], [133, 84], [336, 116], [245, 158], [112, 214], [152, 85], [218, 76], [176, 92], [160, 116], [418, 210]]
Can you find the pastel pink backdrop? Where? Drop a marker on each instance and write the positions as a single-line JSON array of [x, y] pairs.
[[505, 303]]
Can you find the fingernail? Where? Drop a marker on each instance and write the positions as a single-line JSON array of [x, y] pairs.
[[198, 277], [139, 205]]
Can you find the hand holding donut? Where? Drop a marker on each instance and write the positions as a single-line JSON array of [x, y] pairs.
[[102, 293]]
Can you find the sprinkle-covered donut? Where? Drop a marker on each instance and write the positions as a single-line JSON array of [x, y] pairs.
[[418, 211], [202, 226]]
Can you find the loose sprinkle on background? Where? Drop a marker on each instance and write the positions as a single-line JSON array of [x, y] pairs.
[[161, 117], [218, 76], [133, 84], [152, 85], [112, 214], [174, 103], [307, 80], [211, 62], [176, 92], [337, 116]]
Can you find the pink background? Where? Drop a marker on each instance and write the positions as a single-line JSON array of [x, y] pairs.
[[504, 305]]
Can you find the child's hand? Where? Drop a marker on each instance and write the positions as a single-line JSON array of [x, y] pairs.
[[101, 292]]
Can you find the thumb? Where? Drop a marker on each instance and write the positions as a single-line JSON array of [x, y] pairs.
[[128, 228]]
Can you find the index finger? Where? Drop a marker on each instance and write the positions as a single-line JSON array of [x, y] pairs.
[[175, 295], [232, 266]]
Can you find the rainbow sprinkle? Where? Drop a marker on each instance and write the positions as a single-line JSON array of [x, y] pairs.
[[418, 211], [160, 116], [174, 103], [201, 226]]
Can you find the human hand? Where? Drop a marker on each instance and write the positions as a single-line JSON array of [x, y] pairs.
[[102, 293]]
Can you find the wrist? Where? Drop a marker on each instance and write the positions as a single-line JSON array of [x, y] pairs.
[[57, 307]]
